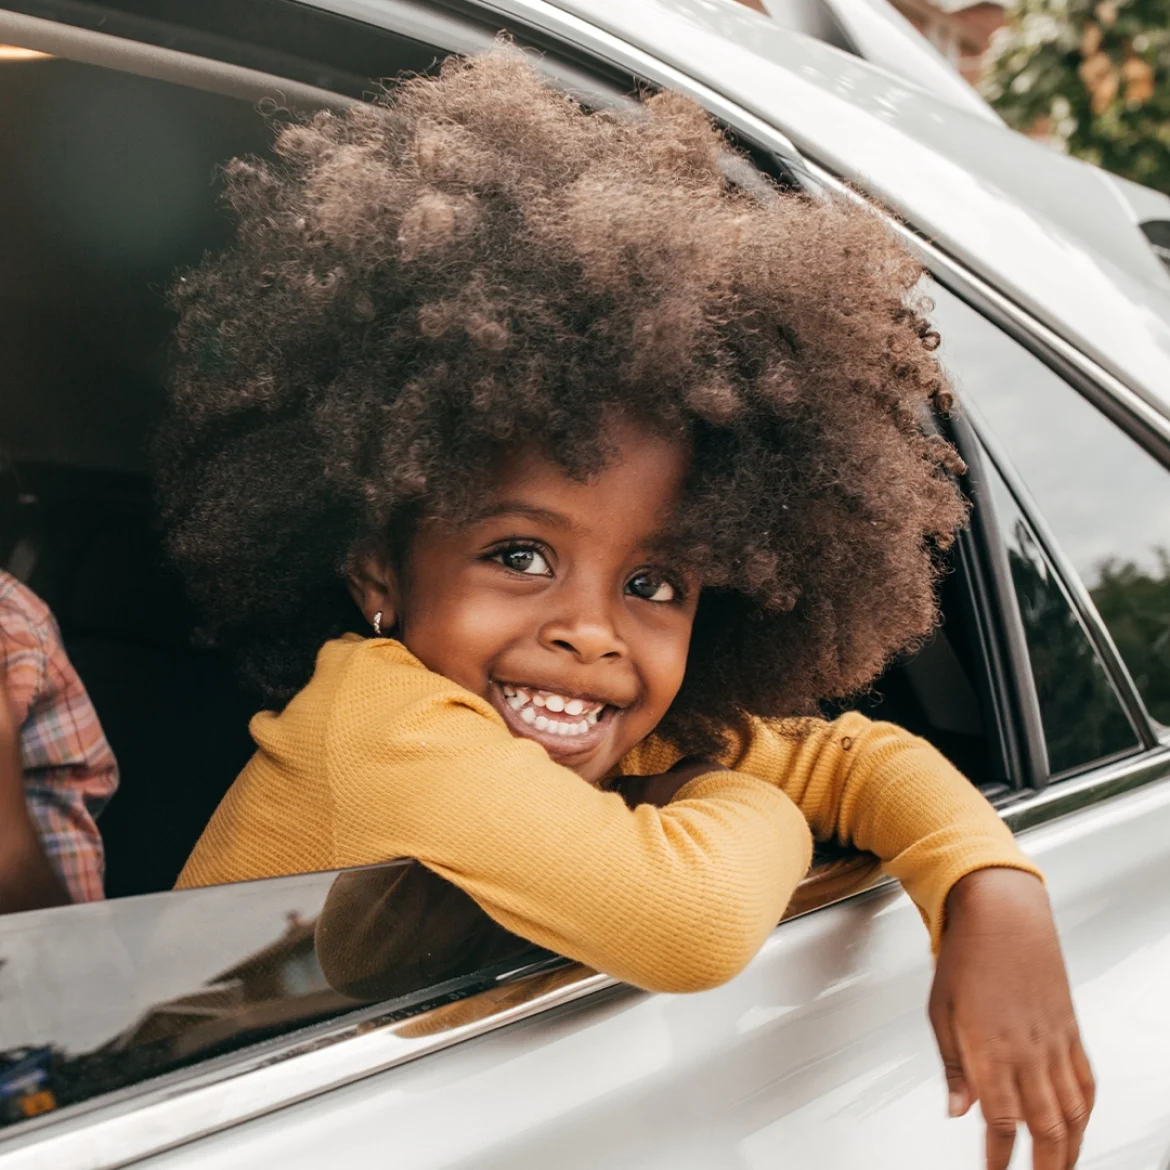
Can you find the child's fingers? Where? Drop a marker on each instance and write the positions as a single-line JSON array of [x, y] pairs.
[[1072, 1103], [1000, 1102], [1045, 1119], [959, 1096], [1084, 1072]]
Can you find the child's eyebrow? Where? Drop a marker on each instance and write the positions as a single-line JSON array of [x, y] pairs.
[[519, 508]]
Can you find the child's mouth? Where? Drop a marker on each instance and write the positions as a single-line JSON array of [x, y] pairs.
[[562, 724]]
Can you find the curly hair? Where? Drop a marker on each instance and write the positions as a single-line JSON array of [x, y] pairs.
[[473, 261]]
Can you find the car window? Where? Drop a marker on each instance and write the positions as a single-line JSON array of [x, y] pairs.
[[1081, 714], [103, 997], [1106, 500]]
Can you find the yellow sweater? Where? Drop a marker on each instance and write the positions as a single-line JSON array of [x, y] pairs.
[[379, 758]]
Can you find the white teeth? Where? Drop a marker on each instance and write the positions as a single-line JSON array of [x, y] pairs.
[[526, 703]]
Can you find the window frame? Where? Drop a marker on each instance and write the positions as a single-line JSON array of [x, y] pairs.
[[1117, 402], [1014, 698]]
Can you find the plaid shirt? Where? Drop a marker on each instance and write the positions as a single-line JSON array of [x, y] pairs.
[[69, 770]]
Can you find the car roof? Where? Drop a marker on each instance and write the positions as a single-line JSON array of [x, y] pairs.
[[877, 32], [1052, 233]]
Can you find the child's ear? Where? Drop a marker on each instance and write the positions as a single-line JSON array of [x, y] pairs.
[[373, 584]]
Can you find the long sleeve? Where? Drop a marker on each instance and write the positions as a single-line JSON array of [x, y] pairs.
[[878, 788], [390, 760]]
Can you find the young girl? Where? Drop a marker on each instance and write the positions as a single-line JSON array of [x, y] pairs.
[[623, 467]]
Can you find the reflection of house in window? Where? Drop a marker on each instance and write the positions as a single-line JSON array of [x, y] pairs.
[[274, 989]]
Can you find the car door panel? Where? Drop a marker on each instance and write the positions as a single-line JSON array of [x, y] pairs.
[[819, 1054]]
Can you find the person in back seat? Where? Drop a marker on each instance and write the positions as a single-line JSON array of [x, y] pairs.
[[57, 771]]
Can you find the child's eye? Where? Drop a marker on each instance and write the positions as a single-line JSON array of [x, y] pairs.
[[651, 587], [522, 559]]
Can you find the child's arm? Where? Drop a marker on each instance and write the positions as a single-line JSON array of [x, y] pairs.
[[1000, 1005], [1003, 1016], [672, 899], [879, 788]]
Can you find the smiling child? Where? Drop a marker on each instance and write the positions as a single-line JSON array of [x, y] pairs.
[[624, 468]]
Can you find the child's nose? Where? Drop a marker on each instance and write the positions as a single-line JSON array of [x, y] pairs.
[[589, 638]]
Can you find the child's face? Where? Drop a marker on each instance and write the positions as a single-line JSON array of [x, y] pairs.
[[554, 603]]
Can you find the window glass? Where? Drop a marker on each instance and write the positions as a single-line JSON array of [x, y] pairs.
[[100, 997], [1106, 500], [1082, 716]]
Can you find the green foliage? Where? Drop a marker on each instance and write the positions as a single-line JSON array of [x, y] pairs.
[[1094, 78], [1135, 605]]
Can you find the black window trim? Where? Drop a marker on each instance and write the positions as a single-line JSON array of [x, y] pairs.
[[1074, 587], [1015, 701]]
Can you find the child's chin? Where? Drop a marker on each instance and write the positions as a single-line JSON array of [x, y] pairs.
[[592, 760]]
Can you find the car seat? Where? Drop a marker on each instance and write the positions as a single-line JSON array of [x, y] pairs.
[[173, 713]]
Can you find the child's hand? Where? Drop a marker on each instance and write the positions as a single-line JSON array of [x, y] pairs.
[[1003, 1017], [661, 789]]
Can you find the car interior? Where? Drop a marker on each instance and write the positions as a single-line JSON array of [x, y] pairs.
[[109, 189]]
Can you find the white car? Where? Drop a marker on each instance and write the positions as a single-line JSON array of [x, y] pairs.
[[197, 1030]]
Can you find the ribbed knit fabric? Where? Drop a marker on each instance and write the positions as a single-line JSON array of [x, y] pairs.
[[380, 758]]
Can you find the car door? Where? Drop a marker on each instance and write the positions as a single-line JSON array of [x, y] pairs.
[[820, 1052]]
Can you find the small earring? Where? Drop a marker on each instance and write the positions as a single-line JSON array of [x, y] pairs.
[[378, 624]]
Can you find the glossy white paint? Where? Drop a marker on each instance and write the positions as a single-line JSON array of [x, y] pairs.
[[883, 36], [1051, 232], [819, 1055]]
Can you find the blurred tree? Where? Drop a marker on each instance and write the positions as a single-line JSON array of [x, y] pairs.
[[1092, 77], [1135, 605]]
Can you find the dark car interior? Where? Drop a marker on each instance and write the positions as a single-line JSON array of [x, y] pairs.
[[108, 188]]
